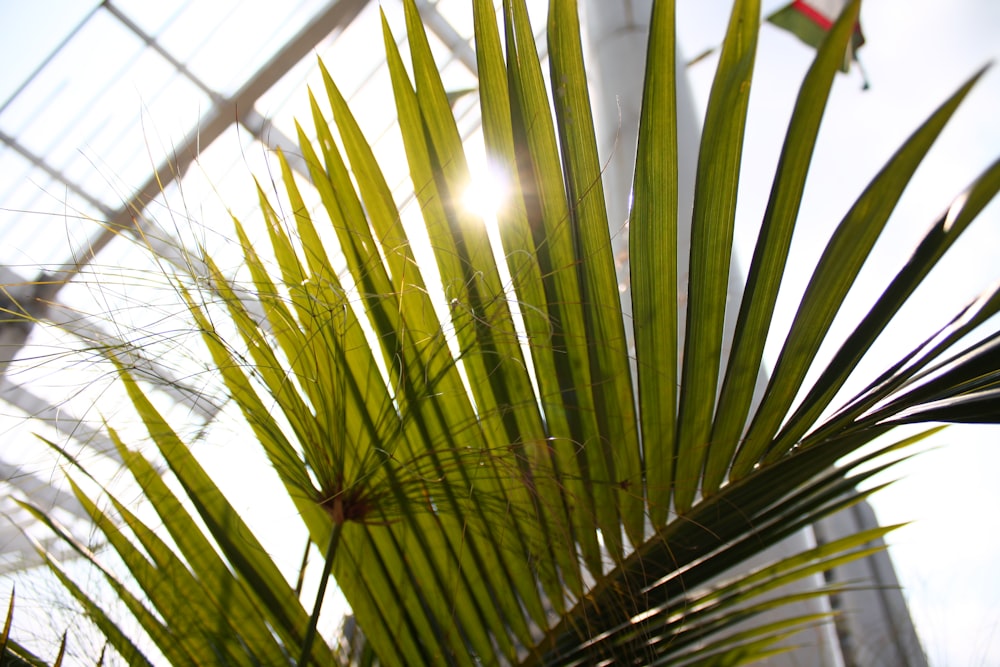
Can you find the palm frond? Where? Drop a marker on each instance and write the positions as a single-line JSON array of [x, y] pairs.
[[488, 481]]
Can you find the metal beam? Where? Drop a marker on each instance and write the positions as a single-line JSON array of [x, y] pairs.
[[36, 299], [224, 112], [41, 302]]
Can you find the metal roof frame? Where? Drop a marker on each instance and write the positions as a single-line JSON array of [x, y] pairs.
[[33, 299]]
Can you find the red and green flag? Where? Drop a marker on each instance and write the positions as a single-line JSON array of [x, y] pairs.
[[810, 20]]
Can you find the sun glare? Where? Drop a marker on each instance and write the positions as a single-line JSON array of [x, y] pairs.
[[486, 194]]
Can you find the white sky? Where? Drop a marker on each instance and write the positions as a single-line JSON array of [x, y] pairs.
[[918, 52]]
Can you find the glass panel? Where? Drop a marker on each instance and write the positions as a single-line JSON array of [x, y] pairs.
[[30, 32], [43, 226], [154, 17], [353, 58], [203, 37], [459, 16], [105, 126]]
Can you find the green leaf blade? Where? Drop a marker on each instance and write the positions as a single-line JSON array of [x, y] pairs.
[[712, 224], [604, 326], [653, 261], [767, 266], [837, 269]]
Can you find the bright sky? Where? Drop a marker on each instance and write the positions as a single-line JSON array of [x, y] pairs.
[[918, 53]]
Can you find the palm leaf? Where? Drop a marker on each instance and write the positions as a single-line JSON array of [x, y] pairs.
[[712, 222], [770, 255], [486, 479], [653, 232]]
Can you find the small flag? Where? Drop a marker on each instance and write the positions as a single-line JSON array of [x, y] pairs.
[[810, 20]]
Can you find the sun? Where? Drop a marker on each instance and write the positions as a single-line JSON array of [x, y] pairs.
[[486, 194]]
